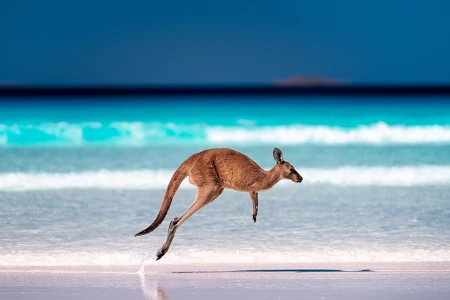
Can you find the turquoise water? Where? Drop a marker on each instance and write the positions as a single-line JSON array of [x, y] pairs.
[[215, 121], [79, 178]]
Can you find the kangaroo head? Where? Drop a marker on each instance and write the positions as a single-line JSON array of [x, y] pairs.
[[285, 169]]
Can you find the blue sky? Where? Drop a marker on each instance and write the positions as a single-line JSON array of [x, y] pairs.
[[173, 42]]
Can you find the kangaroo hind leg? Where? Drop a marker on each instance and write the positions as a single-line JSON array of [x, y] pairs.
[[205, 195]]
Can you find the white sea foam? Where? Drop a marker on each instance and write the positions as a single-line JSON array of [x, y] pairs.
[[244, 133], [158, 179], [190, 256], [379, 133]]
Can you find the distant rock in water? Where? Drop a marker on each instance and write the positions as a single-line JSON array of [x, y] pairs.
[[309, 80]]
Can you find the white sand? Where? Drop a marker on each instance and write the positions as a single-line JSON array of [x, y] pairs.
[[231, 281]]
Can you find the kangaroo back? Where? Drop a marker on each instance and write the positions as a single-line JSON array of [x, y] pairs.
[[180, 174]]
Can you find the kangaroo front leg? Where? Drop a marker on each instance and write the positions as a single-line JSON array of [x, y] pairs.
[[254, 197]]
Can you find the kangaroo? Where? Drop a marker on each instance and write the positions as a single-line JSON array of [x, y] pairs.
[[214, 170]]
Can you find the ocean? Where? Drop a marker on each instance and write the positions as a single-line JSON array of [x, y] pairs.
[[79, 178]]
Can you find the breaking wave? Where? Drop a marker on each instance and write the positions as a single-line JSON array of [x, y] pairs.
[[149, 133], [132, 258], [158, 179]]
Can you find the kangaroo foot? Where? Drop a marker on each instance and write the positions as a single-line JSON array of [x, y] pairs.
[[254, 218], [161, 253], [163, 250]]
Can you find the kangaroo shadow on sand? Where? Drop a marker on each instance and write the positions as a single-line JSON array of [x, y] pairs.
[[279, 271]]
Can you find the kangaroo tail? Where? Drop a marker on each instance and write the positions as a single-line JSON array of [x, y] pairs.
[[180, 174]]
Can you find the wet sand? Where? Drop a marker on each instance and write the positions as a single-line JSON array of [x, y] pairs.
[[427, 280]]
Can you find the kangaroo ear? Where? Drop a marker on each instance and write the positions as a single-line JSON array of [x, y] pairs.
[[278, 155]]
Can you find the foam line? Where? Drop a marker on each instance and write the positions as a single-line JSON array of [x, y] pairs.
[[247, 133], [131, 258], [158, 179]]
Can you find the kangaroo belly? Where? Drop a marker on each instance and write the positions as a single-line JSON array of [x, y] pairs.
[[236, 186], [239, 181]]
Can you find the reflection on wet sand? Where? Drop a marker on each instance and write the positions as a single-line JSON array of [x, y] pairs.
[[151, 290]]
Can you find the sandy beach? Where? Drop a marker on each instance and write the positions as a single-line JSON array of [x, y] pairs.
[[292, 150], [425, 280]]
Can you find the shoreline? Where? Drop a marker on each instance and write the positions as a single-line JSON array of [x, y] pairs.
[[328, 280], [160, 267]]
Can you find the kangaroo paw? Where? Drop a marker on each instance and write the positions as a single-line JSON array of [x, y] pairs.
[[254, 218]]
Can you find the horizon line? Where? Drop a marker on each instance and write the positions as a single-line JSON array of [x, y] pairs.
[[253, 90]]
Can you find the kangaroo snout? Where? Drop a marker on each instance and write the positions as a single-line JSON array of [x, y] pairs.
[[299, 178]]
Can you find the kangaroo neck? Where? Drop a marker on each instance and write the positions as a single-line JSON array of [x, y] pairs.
[[269, 179]]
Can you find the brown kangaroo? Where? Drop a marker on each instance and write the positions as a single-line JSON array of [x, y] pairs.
[[214, 170]]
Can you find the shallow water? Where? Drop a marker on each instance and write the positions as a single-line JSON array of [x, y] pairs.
[[78, 181]]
